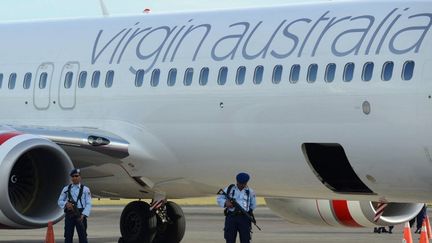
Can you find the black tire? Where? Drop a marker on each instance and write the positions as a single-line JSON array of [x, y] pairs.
[[137, 223], [175, 230]]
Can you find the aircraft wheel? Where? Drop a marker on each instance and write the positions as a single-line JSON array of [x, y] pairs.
[[137, 223], [174, 230]]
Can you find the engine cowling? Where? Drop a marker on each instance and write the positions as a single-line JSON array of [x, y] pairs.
[[341, 212], [33, 170]]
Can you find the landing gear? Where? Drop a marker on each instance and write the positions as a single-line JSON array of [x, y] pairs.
[[137, 223], [173, 230], [140, 223]]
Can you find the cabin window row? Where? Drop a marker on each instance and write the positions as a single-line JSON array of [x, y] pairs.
[[277, 75], [95, 79], [67, 82], [387, 72]]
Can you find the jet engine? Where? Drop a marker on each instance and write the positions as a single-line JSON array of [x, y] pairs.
[[33, 171], [341, 212]]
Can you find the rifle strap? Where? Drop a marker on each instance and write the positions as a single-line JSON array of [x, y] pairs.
[[230, 187], [80, 195], [248, 201], [69, 194]]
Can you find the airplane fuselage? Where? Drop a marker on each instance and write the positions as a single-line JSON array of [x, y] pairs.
[[197, 136]]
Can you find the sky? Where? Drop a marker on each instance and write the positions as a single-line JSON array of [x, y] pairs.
[[13, 10]]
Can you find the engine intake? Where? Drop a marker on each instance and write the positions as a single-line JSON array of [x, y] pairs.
[[33, 170]]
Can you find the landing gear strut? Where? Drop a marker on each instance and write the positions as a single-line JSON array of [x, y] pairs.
[[140, 223], [173, 230]]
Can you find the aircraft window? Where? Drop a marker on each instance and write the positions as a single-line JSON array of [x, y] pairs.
[[109, 78], [43, 80], [172, 75], [12, 81], [1, 79], [330, 72], [295, 73], [223, 74], [203, 78], [82, 79], [277, 74], [139, 77], [241, 75], [258, 75], [188, 77], [387, 71], [155, 78], [95, 79], [312, 73], [27, 80], [68, 80], [408, 70], [348, 72], [367, 71]]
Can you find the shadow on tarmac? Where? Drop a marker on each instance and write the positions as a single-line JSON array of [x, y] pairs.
[[93, 240]]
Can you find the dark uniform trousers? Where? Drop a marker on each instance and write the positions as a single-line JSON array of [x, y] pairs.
[[240, 223], [72, 222], [420, 217]]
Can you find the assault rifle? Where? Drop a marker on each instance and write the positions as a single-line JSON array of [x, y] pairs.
[[75, 211], [237, 206]]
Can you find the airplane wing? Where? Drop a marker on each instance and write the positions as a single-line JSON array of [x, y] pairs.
[[92, 139]]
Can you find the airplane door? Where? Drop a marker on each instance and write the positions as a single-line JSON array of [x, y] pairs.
[[68, 84], [42, 86]]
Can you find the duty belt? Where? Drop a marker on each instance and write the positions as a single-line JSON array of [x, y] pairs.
[[234, 213]]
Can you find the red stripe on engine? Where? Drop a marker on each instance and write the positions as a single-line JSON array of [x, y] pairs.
[[6, 136], [342, 213], [3, 138]]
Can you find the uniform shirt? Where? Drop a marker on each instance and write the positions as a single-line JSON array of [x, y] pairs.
[[240, 196], [85, 198]]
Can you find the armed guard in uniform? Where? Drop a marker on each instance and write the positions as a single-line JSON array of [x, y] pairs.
[[75, 199], [236, 219]]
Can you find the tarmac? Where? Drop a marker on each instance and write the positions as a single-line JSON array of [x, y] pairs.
[[205, 224]]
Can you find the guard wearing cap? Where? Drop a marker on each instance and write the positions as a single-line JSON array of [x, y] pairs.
[[235, 220], [75, 199]]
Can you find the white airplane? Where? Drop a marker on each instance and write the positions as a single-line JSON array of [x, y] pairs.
[[321, 102]]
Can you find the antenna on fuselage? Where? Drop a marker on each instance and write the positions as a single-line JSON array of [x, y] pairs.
[[104, 9]]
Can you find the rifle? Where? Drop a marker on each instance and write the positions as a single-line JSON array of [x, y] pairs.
[[76, 213], [237, 206]]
